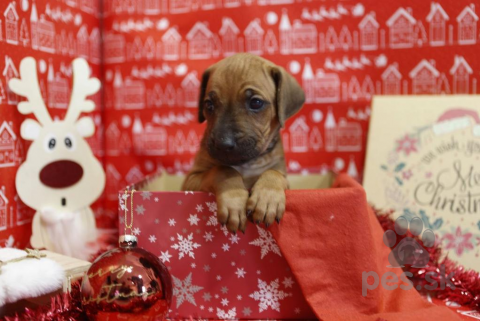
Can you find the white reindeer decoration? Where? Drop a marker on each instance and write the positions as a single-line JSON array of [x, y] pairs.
[[60, 177]]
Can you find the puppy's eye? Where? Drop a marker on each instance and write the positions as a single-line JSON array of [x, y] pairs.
[[208, 106], [256, 104]]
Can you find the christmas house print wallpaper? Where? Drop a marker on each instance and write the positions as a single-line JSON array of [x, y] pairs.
[[150, 56]]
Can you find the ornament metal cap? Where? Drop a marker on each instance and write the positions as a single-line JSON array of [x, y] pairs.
[[127, 240]]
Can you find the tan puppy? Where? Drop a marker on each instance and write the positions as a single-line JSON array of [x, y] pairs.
[[245, 100]]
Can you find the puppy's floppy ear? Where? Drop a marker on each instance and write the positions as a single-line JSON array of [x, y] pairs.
[[203, 88], [289, 95]]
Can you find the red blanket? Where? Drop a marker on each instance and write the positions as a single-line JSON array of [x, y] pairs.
[[332, 246]]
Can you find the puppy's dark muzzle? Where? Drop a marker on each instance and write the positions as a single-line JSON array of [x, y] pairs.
[[225, 144], [230, 150]]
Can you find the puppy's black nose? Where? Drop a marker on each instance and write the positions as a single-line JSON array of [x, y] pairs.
[[225, 143]]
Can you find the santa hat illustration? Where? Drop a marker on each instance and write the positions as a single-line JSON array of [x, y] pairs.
[[456, 119]]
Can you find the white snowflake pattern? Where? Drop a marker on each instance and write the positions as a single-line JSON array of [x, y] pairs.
[[234, 239], [212, 220], [219, 278], [165, 256], [240, 273], [193, 219], [239, 297], [212, 207], [243, 252], [172, 238], [269, 295], [202, 307], [297, 311], [199, 208], [157, 221], [265, 242], [229, 315], [224, 302], [208, 237], [288, 282], [140, 209], [136, 231], [210, 309], [121, 200], [216, 296], [193, 265], [185, 246], [225, 247], [172, 222], [206, 268], [207, 296], [259, 272], [224, 290], [214, 255], [152, 238], [247, 312], [146, 195], [233, 263], [225, 230], [184, 290], [156, 199]]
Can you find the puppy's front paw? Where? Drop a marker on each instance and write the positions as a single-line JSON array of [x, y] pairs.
[[231, 209], [266, 204]]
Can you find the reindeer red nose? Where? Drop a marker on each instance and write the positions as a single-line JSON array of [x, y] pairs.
[[61, 174]]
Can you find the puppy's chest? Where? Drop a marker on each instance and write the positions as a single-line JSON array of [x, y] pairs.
[[252, 170]]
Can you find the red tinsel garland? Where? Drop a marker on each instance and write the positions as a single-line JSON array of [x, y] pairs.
[[68, 307], [63, 307]]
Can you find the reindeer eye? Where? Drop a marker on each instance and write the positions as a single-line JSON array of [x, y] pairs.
[[51, 143], [69, 142]]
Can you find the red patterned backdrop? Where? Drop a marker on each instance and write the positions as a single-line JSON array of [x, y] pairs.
[[154, 51], [54, 32]]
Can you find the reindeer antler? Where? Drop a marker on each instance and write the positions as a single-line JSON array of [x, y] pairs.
[[83, 86], [27, 86]]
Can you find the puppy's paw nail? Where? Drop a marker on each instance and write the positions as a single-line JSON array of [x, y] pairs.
[[234, 232], [243, 231], [278, 220], [249, 212], [257, 222], [267, 225]]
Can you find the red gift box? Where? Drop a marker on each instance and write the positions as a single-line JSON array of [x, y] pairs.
[[215, 274], [304, 268]]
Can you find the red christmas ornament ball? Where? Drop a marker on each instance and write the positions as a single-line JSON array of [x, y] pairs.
[[127, 283]]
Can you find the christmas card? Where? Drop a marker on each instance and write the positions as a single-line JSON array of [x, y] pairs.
[[423, 161]]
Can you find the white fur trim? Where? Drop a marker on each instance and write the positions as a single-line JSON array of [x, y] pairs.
[[28, 278], [451, 125]]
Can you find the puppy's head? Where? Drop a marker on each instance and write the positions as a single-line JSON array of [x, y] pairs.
[[245, 100]]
